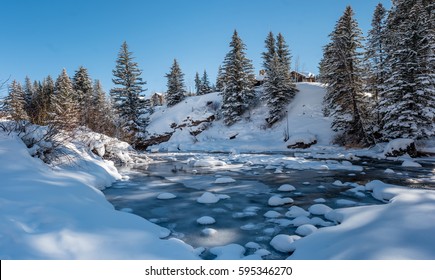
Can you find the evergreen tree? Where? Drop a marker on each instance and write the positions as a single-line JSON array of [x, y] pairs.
[[408, 99], [65, 106], [205, 84], [29, 92], [238, 92], [127, 98], [176, 88], [341, 67], [220, 79], [270, 52], [102, 118], [42, 102], [375, 57], [82, 84], [197, 84], [16, 102], [278, 87]]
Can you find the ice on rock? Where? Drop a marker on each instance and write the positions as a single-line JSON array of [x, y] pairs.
[[272, 214], [209, 231], [301, 220], [296, 211], [208, 198], [164, 196], [319, 209], [283, 243], [389, 171], [306, 229], [228, 252], [286, 188], [277, 200], [319, 200], [253, 245], [206, 220], [224, 180]]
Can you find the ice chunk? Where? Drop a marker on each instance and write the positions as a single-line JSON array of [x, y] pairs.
[[410, 163], [319, 200], [272, 214], [228, 252], [206, 220], [208, 198], [389, 171], [209, 231], [224, 180], [319, 209], [166, 196], [286, 188], [305, 230], [301, 220]]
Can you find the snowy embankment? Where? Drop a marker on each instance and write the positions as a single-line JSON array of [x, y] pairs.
[[401, 229], [305, 121], [59, 212]]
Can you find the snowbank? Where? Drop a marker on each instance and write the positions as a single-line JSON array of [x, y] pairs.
[[59, 213]]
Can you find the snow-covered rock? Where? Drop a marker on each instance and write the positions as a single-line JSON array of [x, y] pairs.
[[228, 252], [208, 198], [286, 188], [209, 231], [296, 211], [277, 200], [283, 243], [224, 180], [399, 147], [319, 209], [272, 214], [165, 196], [206, 220], [305, 230], [410, 163], [301, 141]]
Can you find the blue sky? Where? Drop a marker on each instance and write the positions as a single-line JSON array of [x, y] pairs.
[[39, 38]]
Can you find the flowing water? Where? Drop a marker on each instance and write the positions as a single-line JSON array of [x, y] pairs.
[[239, 217]]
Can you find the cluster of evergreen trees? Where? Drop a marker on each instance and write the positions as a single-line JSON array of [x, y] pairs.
[[385, 89]]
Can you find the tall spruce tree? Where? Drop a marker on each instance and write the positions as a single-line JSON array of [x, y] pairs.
[[16, 102], [197, 84], [342, 68], [82, 84], [128, 100], [65, 105], [205, 84], [375, 57], [238, 92], [408, 99], [220, 79], [176, 89], [278, 87], [102, 118]]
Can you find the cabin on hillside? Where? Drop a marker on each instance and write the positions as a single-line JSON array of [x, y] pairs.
[[299, 77]]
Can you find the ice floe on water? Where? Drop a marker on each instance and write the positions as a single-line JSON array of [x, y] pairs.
[[166, 195], [224, 180], [206, 220], [208, 198], [319, 209], [277, 200], [286, 188]]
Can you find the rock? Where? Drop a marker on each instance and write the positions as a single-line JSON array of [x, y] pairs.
[[301, 141], [400, 147]]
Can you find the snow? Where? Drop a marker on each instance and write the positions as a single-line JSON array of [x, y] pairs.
[[410, 163], [396, 230], [206, 220], [296, 211], [60, 213], [165, 196], [209, 231], [397, 145], [228, 252], [272, 214], [305, 230], [286, 188], [319, 209], [283, 243], [224, 180], [208, 198], [277, 200]]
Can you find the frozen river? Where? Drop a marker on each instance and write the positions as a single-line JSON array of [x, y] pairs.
[[210, 200]]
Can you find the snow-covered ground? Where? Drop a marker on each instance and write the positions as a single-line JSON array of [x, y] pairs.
[[60, 213]]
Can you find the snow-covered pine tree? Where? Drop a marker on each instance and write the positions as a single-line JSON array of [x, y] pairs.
[[408, 99], [270, 52], [29, 93], [342, 69], [238, 92], [82, 85], [176, 89], [220, 79], [278, 87], [16, 102], [42, 101], [197, 84], [375, 57], [127, 98], [205, 84], [102, 118], [65, 106]]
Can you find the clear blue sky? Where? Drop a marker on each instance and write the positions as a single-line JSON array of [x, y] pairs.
[[40, 37]]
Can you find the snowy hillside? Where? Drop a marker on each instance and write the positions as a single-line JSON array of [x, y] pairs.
[[305, 120]]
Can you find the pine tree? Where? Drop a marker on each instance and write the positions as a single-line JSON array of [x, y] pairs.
[[127, 98], [197, 84], [42, 102], [375, 57], [16, 102], [205, 84], [82, 84], [176, 88], [238, 92], [220, 79], [270, 52], [278, 87], [65, 106], [102, 118], [29, 93], [341, 67], [408, 99]]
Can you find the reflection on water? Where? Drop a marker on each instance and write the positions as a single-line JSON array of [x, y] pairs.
[[240, 216]]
